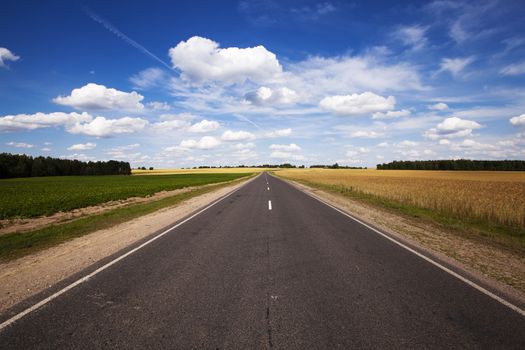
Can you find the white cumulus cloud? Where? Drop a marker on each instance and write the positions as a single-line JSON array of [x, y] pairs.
[[240, 135], [438, 107], [204, 126], [452, 127], [205, 142], [265, 95], [102, 127], [82, 146], [201, 59], [98, 97], [171, 122], [518, 120], [6, 55], [25, 122], [357, 104]]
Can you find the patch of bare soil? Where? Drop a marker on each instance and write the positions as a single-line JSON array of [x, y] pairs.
[[496, 267], [27, 276], [24, 225]]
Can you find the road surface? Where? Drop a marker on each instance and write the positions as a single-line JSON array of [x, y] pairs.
[[270, 267]]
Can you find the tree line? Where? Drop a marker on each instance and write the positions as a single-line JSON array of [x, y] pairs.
[[284, 165], [21, 165], [454, 164], [336, 166]]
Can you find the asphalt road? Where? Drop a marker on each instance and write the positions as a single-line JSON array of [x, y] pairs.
[[298, 276]]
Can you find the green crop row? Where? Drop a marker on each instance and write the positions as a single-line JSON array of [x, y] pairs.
[[32, 197]]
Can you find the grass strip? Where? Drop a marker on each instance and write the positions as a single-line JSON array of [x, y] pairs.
[[15, 245], [509, 238]]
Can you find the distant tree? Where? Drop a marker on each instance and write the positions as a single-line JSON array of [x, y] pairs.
[[150, 168], [39, 167], [335, 166], [21, 165], [455, 164]]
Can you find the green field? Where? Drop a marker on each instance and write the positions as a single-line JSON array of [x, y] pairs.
[[37, 196]]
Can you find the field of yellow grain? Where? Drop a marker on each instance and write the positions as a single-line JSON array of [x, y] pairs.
[[495, 197]]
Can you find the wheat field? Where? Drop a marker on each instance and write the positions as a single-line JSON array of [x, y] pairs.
[[494, 197]]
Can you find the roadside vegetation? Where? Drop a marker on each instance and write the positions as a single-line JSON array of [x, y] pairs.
[[38, 196], [15, 245], [488, 204]]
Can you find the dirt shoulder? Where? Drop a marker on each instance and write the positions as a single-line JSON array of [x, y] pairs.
[[29, 275], [502, 270]]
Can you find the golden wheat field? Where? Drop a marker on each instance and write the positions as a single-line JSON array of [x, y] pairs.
[[497, 197]]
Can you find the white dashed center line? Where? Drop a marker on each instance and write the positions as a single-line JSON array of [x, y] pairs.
[[269, 205]]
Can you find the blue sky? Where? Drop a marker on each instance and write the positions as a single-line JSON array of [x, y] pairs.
[[177, 84]]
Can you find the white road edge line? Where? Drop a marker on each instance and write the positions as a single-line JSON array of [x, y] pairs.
[[269, 205], [433, 262], [102, 268]]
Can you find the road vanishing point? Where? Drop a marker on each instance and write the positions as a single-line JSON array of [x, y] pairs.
[[267, 266]]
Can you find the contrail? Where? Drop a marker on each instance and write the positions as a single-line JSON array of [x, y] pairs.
[[123, 36], [249, 121]]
